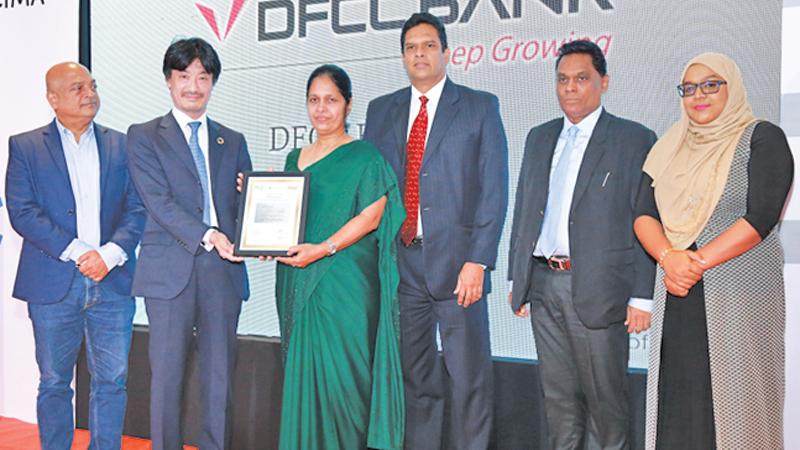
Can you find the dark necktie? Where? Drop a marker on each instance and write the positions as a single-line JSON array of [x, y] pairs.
[[415, 149]]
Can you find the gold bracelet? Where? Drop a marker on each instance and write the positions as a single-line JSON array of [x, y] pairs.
[[663, 255]]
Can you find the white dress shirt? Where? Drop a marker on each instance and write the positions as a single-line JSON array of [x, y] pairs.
[[202, 139], [83, 166], [585, 130], [433, 95]]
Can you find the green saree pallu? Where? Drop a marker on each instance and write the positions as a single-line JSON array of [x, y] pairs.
[[339, 316]]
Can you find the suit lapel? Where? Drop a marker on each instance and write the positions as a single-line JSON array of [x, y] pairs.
[[399, 113], [101, 137], [445, 112], [52, 140], [594, 152], [216, 144], [549, 141], [171, 132], [540, 175]]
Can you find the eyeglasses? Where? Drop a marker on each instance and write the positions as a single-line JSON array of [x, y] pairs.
[[706, 87]]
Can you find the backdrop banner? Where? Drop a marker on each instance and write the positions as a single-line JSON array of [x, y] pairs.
[[268, 49]]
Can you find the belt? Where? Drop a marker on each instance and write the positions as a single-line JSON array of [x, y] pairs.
[[556, 263]]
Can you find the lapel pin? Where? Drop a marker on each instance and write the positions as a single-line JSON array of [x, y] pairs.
[[220, 141]]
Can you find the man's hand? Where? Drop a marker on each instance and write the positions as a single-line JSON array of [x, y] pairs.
[[637, 320], [304, 254], [224, 246], [469, 288], [92, 266], [522, 311], [239, 181]]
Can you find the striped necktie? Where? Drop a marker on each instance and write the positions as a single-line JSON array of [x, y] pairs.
[[200, 164]]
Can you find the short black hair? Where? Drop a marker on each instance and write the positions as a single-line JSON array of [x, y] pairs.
[[419, 19], [339, 77], [587, 48], [183, 52]]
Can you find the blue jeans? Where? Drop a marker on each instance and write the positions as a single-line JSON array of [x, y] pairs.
[[105, 319]]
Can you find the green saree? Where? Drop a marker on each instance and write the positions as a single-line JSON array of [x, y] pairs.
[[339, 317]]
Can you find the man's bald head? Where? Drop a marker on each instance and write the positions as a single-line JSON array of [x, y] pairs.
[[72, 93], [57, 74]]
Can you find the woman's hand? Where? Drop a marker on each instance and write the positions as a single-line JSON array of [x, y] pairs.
[[674, 289], [683, 269], [304, 254]]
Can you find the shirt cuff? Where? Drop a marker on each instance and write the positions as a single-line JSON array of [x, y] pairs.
[[206, 241], [74, 250], [112, 255], [644, 304]]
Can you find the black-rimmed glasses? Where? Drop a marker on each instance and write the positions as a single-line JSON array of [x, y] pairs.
[[706, 87]]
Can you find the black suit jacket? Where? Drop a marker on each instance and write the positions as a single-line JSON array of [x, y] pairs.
[[608, 264]]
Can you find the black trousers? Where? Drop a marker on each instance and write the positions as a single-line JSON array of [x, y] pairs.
[[583, 370], [467, 363]]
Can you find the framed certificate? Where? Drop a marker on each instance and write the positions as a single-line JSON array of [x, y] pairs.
[[272, 213]]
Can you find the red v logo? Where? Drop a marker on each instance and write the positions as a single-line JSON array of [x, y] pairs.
[[211, 17]]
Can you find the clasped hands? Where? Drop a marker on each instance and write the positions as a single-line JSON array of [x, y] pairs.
[[92, 266], [682, 270]]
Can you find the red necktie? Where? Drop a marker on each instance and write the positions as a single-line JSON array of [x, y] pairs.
[[415, 149]]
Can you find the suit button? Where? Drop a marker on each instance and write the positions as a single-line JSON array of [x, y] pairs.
[[426, 209], [70, 212], [424, 174], [541, 212], [200, 210]]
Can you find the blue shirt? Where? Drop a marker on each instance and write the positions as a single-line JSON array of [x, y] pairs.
[[83, 166]]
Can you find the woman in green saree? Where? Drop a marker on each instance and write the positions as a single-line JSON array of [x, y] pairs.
[[337, 293]]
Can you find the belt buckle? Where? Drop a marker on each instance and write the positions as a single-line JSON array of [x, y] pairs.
[[559, 263]]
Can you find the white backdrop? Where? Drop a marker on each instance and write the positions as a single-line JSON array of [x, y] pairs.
[[34, 38]]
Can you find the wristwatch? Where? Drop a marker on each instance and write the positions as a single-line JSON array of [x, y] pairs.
[[331, 247]]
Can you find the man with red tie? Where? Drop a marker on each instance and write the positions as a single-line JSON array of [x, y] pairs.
[[447, 145]]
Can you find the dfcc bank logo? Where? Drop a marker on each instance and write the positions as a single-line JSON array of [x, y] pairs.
[[211, 17], [298, 17]]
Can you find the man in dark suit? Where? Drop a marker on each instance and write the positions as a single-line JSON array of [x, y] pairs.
[[574, 256], [184, 166], [70, 198], [447, 145]]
